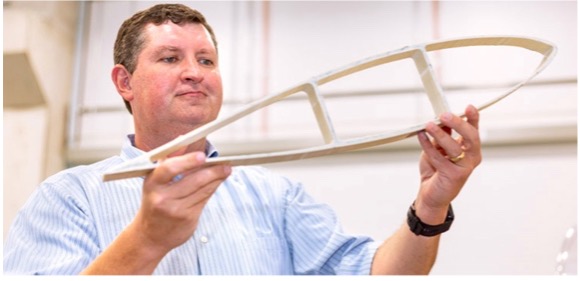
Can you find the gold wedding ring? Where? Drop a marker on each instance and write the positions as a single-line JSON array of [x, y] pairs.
[[458, 157]]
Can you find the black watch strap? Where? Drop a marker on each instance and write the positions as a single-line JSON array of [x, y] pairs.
[[420, 228]]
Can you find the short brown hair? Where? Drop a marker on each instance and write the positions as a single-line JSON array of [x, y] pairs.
[[129, 42]]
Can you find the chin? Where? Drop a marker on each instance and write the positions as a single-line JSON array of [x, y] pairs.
[[200, 121]]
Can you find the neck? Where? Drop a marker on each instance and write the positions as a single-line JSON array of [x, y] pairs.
[[148, 138], [146, 144]]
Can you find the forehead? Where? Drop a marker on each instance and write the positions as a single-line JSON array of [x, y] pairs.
[[176, 35]]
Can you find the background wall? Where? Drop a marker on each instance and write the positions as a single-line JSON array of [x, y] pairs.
[[514, 211], [38, 52]]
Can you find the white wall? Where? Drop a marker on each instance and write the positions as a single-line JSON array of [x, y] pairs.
[[24, 150], [304, 39], [34, 134], [512, 215]]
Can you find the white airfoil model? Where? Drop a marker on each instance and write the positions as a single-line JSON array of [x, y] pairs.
[[332, 144]]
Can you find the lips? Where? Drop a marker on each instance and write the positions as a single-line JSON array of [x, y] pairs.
[[197, 94]]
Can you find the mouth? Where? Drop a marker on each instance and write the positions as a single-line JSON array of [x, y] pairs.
[[193, 94]]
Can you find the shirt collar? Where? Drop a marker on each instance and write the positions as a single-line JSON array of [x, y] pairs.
[[129, 151]]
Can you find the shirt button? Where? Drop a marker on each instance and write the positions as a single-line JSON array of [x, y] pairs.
[[203, 239]]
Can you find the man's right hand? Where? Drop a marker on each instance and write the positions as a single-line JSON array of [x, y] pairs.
[[168, 216], [174, 195]]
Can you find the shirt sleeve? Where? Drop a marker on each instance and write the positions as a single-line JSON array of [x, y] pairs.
[[317, 241], [52, 234]]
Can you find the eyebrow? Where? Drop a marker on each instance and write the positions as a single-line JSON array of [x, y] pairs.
[[207, 51], [169, 48], [162, 49]]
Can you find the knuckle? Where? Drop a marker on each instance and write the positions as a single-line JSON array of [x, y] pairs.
[[158, 203], [169, 168], [438, 132], [206, 174], [215, 172]]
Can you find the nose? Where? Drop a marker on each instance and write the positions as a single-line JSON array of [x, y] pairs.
[[192, 72]]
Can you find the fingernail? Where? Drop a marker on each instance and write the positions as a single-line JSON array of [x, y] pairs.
[[446, 116], [200, 157], [431, 127]]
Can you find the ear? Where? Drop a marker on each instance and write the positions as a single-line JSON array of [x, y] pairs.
[[122, 78]]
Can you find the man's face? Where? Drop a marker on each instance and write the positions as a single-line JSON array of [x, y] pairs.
[[176, 84]]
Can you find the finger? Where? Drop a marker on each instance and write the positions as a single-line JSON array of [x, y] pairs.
[[434, 156], [449, 146], [469, 133], [472, 115], [446, 130], [202, 195], [169, 168], [196, 181]]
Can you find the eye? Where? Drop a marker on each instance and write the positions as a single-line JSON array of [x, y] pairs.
[[206, 62], [169, 59]]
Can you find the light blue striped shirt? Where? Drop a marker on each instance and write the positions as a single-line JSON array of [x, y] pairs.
[[255, 223]]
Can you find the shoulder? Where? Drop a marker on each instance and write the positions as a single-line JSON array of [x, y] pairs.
[[73, 182], [82, 174]]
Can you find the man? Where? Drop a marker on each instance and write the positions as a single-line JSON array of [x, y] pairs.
[[185, 219]]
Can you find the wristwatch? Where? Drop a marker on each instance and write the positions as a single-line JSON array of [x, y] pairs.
[[420, 228]]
